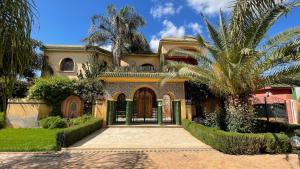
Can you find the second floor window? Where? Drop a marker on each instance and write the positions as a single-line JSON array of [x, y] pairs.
[[67, 64]]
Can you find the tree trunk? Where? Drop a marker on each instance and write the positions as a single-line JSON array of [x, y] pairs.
[[117, 52]]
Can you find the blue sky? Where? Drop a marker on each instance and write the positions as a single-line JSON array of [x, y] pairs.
[[67, 21]]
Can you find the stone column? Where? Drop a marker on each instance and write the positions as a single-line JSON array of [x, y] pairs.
[[129, 104], [159, 112], [177, 111], [111, 111]]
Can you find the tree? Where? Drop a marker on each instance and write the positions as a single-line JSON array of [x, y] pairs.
[[93, 69], [16, 48], [119, 29], [240, 60]]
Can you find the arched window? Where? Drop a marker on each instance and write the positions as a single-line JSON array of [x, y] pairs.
[[67, 64], [147, 67]]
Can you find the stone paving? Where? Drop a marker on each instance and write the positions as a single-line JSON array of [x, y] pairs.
[[140, 138], [127, 148], [137, 160]]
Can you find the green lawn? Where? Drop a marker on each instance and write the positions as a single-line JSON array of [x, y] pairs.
[[35, 139]]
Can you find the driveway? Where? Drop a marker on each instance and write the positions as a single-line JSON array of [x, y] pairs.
[[140, 138]]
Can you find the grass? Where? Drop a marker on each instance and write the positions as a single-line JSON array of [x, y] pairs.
[[1, 120], [27, 140]]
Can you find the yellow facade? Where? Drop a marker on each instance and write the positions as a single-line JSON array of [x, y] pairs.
[[129, 79]]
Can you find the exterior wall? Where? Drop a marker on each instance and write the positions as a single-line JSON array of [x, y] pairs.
[[283, 95], [26, 113], [139, 60], [100, 111], [79, 57], [129, 89]]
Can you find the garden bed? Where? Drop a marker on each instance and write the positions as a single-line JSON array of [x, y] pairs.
[[239, 143]]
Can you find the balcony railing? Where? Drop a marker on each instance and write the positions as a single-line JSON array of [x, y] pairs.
[[149, 69]]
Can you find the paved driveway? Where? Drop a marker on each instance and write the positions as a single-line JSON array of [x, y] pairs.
[[140, 138]]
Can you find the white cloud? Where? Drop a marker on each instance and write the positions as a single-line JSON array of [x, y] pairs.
[[154, 42], [106, 47], [196, 27], [170, 30], [162, 10], [210, 6]]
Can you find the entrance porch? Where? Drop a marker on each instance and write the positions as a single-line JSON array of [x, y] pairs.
[[142, 101]]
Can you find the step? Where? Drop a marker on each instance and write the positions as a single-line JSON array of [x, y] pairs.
[[144, 126]]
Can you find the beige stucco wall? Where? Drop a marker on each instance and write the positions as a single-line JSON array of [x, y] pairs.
[[79, 57], [100, 111], [26, 113], [139, 60]]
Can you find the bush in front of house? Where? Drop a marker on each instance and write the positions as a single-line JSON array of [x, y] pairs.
[[53, 122], [88, 90], [276, 127], [69, 136], [241, 118], [53, 90], [215, 119], [80, 120], [1, 120], [239, 143]]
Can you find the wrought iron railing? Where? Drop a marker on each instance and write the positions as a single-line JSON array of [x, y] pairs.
[[150, 69]]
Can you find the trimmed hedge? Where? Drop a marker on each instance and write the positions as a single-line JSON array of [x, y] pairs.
[[276, 127], [69, 136], [239, 143], [1, 120]]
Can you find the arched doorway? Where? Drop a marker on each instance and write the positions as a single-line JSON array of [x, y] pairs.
[[144, 106], [120, 109]]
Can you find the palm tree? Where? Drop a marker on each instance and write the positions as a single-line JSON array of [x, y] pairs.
[[16, 47], [240, 60], [119, 29]]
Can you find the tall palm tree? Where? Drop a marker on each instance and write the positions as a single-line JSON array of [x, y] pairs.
[[16, 47], [119, 29], [240, 60]]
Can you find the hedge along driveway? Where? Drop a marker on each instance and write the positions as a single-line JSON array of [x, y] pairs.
[[239, 143]]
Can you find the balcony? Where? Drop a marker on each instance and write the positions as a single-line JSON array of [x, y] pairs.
[[137, 69]]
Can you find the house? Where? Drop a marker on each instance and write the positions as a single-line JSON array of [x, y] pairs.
[[133, 92]]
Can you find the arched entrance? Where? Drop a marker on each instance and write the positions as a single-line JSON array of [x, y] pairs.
[[120, 109], [144, 106]]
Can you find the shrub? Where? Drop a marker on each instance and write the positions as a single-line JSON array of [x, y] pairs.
[[215, 119], [71, 135], [241, 118], [2, 123], [53, 122], [239, 143], [88, 90], [53, 90], [276, 127], [297, 132], [80, 120]]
